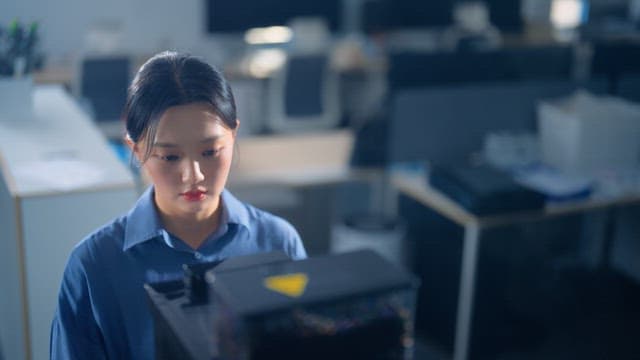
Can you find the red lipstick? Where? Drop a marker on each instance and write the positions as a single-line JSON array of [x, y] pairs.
[[194, 195]]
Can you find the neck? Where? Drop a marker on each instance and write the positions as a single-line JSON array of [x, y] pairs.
[[193, 229]]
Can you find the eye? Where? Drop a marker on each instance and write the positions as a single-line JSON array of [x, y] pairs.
[[170, 158], [211, 152]]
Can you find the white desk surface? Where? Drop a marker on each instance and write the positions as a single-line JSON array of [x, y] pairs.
[[58, 150], [416, 186]]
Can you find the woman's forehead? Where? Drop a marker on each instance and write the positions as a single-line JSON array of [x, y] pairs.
[[190, 123]]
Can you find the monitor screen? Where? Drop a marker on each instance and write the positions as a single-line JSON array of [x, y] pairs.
[[386, 15], [240, 15], [506, 15]]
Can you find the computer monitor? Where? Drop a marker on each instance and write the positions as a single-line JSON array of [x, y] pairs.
[[304, 95], [411, 69], [385, 15], [237, 16], [506, 15], [390, 15]]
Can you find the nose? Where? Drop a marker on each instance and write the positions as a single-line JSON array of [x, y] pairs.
[[192, 173]]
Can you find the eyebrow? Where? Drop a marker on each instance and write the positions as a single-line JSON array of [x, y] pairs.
[[203, 141]]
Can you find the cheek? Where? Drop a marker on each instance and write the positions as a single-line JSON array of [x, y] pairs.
[[218, 170], [160, 175]]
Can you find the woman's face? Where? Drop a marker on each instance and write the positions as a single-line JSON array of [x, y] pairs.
[[190, 160]]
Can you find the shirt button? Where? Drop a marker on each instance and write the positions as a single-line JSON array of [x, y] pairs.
[[198, 256]]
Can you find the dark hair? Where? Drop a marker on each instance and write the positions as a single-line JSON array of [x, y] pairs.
[[171, 79]]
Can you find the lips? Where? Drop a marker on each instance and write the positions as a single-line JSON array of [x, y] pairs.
[[194, 195]]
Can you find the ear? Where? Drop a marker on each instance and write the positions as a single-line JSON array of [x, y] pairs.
[[235, 131], [135, 149], [130, 144]]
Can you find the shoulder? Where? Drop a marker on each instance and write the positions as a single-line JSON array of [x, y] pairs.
[[273, 232], [270, 225], [98, 246], [269, 222], [256, 220]]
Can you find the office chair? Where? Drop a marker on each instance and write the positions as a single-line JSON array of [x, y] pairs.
[[304, 95], [102, 89]]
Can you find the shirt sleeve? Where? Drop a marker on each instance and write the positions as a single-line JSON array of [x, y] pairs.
[[74, 331], [294, 246]]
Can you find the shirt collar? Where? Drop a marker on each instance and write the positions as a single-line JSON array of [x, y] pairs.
[[236, 210], [143, 221]]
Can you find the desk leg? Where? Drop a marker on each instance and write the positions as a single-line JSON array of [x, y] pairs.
[[465, 297], [608, 238]]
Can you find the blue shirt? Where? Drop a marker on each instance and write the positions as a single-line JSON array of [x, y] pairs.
[[102, 306]]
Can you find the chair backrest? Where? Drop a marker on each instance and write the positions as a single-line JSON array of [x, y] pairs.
[[103, 83], [304, 95]]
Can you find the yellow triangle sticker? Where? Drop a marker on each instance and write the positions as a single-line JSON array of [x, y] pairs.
[[292, 285]]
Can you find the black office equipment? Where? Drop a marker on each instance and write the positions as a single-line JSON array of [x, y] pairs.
[[390, 15], [543, 62], [484, 190], [506, 15], [240, 15], [409, 69], [354, 305], [183, 322]]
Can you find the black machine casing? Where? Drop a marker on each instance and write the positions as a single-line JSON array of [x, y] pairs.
[[354, 305], [484, 190]]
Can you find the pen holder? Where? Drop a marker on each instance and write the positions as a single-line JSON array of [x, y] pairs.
[[16, 98]]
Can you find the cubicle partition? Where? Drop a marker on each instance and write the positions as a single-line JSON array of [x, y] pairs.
[[447, 124]]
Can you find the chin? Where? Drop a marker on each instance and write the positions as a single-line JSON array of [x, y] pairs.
[[195, 207]]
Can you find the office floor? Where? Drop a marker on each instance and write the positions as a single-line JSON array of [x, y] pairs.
[[600, 321], [426, 350]]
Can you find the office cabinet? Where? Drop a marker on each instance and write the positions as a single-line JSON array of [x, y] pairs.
[[58, 181]]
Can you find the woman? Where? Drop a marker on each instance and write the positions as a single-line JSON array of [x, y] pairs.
[[181, 127]]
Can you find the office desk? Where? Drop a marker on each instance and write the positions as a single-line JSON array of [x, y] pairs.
[[415, 186], [305, 159], [297, 176]]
